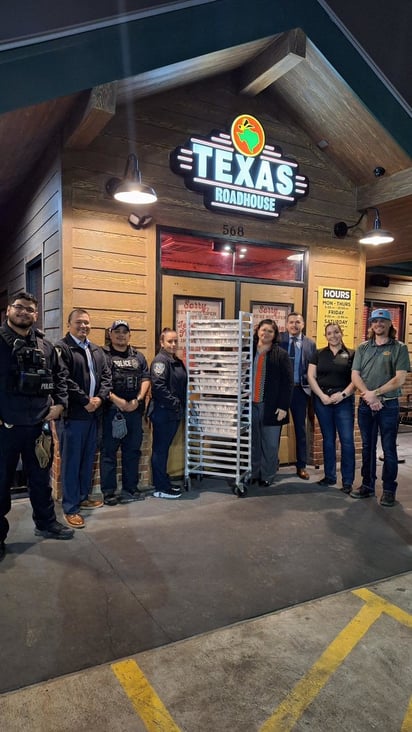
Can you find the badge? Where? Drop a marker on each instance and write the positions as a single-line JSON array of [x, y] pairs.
[[159, 368]]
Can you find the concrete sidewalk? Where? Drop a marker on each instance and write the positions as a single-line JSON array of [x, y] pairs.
[[341, 663], [145, 579]]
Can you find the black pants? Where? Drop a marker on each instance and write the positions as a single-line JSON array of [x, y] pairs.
[[16, 441]]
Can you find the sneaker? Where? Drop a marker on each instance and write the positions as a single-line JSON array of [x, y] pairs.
[[110, 500], [346, 488], [387, 499], [2, 550], [90, 503], [167, 494], [362, 492], [326, 481], [55, 530], [74, 520], [175, 488], [130, 497]]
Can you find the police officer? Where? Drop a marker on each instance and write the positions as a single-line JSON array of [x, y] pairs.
[[33, 391], [131, 381], [169, 380], [89, 385]]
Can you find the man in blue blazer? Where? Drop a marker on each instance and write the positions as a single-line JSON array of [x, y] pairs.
[[300, 349]]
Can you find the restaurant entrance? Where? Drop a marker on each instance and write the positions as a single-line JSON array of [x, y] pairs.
[[225, 298]]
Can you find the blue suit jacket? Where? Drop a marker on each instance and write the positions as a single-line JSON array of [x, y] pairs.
[[308, 351]]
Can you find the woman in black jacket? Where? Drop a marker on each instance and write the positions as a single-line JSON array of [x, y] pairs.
[[169, 381], [272, 394]]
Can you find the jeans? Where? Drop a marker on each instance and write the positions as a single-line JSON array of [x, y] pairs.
[[338, 418], [130, 450], [78, 444], [164, 430], [265, 446], [386, 423], [298, 410], [17, 440]]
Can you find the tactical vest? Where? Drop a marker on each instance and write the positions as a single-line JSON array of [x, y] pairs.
[[126, 374], [29, 374]]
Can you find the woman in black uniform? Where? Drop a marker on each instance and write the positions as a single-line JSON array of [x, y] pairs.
[[329, 376], [169, 382]]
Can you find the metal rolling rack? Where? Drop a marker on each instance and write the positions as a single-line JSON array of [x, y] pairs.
[[219, 400]]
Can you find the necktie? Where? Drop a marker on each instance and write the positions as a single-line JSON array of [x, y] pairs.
[[90, 364], [292, 348]]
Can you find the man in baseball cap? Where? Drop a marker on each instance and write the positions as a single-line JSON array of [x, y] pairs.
[[379, 371], [118, 323], [383, 314]]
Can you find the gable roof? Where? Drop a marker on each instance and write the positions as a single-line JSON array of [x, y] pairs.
[[333, 92]]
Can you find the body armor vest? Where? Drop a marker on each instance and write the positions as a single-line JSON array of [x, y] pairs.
[[126, 375], [29, 374]]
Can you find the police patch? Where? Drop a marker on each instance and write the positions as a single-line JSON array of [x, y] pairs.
[[159, 368]]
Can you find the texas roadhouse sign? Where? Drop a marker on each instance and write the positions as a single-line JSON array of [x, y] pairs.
[[239, 172]]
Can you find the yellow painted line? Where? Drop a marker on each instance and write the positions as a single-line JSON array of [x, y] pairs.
[[290, 710], [143, 697], [386, 607], [407, 722]]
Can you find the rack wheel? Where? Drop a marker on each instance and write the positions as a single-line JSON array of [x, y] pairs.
[[240, 491]]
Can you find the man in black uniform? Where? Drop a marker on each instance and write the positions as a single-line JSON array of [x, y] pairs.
[[33, 391], [131, 381]]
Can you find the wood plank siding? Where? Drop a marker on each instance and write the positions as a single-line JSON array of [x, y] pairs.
[[37, 233], [113, 266]]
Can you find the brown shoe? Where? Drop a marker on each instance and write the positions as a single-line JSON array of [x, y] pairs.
[[89, 504], [74, 520], [302, 473]]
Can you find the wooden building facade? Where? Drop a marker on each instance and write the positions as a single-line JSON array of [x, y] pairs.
[[91, 256]]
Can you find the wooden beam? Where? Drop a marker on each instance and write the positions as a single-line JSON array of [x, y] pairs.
[[100, 109], [277, 59], [383, 190]]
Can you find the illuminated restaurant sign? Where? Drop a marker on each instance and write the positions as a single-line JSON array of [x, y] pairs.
[[239, 172]]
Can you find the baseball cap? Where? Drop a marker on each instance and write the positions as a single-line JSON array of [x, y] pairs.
[[118, 323], [380, 314]]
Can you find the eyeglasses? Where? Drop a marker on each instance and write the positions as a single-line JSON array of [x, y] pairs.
[[21, 308]]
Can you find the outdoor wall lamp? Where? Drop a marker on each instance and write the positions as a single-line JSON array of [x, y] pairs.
[[375, 236], [139, 222], [130, 188]]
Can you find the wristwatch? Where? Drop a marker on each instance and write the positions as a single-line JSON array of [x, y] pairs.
[[344, 395]]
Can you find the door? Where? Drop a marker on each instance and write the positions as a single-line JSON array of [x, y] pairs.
[[194, 289], [259, 299]]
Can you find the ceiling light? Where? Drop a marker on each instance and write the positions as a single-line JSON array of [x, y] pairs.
[[130, 188], [223, 247]]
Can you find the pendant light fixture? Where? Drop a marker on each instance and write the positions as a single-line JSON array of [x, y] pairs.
[[375, 236], [130, 188]]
